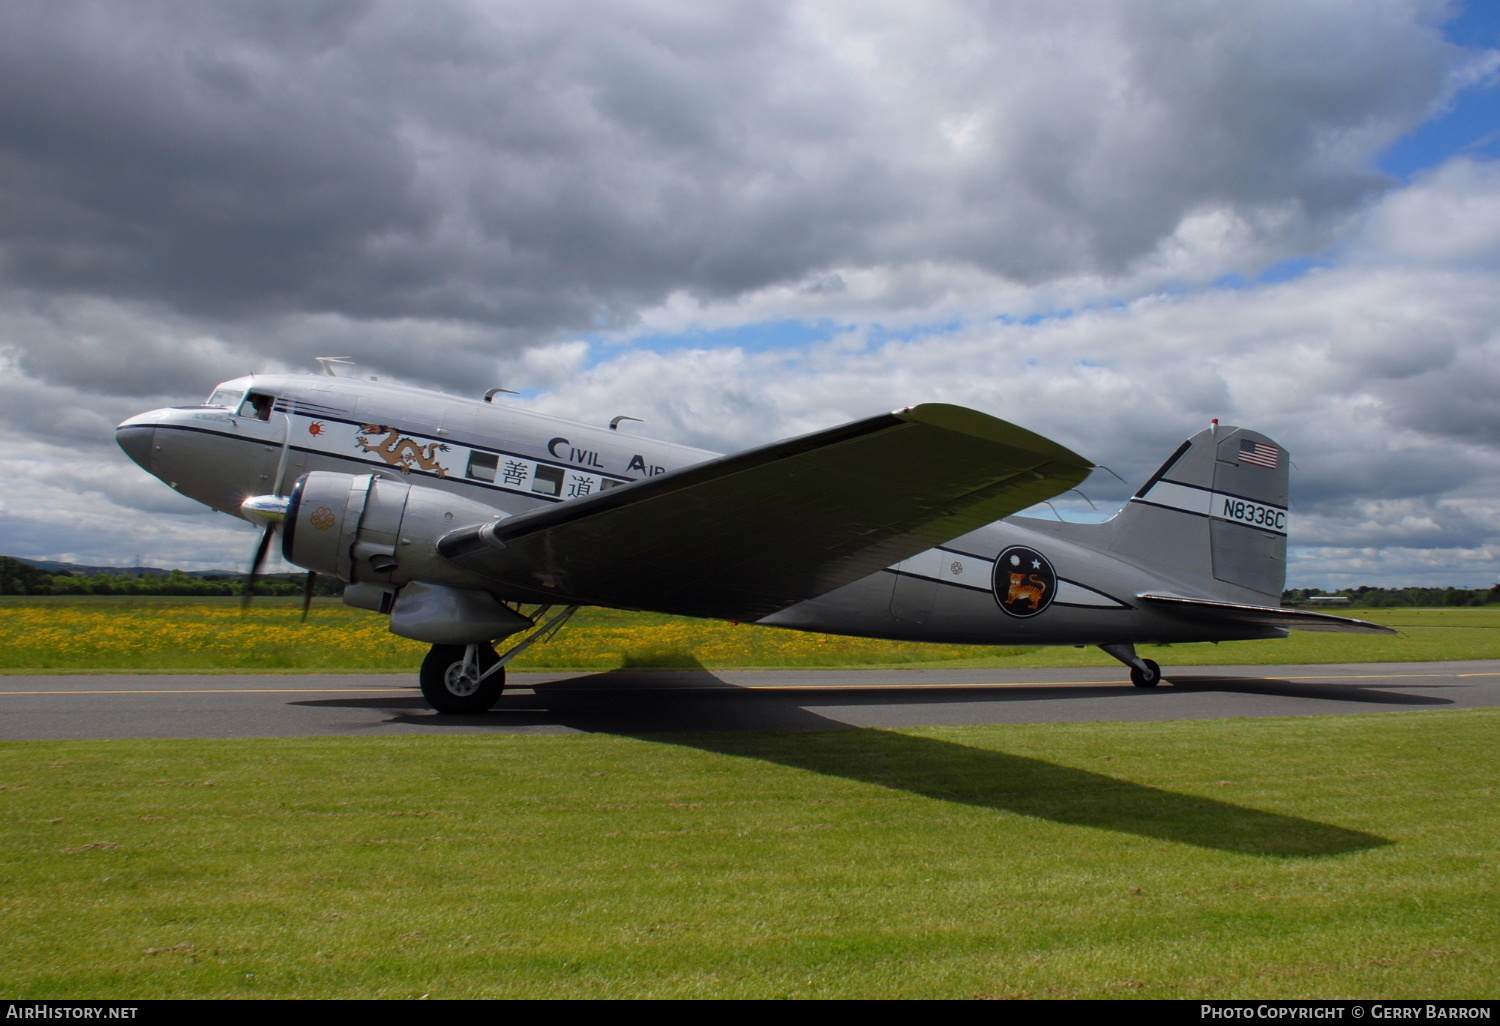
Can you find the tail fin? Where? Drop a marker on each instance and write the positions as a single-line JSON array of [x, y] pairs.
[[1215, 511]]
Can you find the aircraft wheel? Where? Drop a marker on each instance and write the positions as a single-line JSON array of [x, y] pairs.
[[450, 687], [1147, 678]]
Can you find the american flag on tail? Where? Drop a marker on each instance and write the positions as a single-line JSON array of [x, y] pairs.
[[1261, 454]]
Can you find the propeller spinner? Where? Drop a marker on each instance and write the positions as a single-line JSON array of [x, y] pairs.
[[270, 510]]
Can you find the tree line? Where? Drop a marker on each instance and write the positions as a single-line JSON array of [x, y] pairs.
[[1376, 598], [18, 578]]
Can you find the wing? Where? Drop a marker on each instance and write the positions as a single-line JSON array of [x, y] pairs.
[[743, 536], [1234, 614]]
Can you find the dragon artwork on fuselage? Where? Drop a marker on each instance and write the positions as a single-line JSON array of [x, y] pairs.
[[402, 453], [903, 525]]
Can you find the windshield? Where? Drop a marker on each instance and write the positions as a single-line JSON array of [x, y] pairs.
[[229, 398]]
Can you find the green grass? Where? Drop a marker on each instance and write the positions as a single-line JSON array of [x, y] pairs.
[[1350, 856], [99, 634]]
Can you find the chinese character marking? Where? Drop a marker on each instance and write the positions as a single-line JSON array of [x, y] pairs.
[[515, 473]]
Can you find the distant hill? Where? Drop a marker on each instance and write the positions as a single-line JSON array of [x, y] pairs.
[[53, 577], [52, 566]]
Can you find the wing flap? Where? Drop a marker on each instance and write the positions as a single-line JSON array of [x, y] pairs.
[[1261, 616], [743, 536]]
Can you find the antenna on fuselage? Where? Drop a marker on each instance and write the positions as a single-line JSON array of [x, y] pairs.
[[614, 425], [489, 396], [327, 363]]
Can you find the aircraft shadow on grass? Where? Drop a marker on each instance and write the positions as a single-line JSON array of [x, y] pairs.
[[695, 709]]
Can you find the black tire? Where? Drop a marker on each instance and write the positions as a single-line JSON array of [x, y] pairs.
[[1147, 678], [447, 692]]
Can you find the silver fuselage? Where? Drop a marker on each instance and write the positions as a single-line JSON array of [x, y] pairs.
[[516, 461]]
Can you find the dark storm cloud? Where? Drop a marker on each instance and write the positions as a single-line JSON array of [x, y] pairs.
[[453, 193], [180, 153], [554, 167]]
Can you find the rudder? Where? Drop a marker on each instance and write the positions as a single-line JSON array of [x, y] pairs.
[[1216, 510]]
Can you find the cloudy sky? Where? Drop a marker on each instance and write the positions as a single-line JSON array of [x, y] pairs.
[[1105, 221]]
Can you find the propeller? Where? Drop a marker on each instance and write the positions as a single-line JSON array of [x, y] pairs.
[[270, 510], [307, 593]]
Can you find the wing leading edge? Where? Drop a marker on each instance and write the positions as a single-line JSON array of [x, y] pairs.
[[743, 536]]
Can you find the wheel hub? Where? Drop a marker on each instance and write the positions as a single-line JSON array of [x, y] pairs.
[[461, 679]]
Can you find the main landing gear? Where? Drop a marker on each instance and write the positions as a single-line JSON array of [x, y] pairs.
[[1144, 673], [458, 679], [455, 682]]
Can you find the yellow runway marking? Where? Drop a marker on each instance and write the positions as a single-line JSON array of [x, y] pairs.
[[866, 687], [224, 691]]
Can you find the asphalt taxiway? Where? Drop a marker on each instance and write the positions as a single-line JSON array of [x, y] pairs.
[[636, 702]]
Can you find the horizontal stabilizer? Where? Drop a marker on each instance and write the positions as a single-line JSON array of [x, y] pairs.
[[743, 536], [1260, 616]]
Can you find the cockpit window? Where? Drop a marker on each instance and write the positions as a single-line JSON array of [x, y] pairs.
[[229, 398], [258, 405]]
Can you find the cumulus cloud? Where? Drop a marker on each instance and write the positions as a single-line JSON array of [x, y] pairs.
[[544, 167], [1447, 221], [1019, 208], [1377, 376]]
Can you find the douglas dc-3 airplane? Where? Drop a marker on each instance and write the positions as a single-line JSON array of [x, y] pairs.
[[453, 515]]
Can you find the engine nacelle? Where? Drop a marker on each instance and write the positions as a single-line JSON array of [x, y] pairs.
[[368, 529]]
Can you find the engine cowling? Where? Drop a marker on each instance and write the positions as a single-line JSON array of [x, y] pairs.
[[369, 529], [381, 536]]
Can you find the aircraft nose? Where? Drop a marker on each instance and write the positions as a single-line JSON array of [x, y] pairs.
[[138, 441]]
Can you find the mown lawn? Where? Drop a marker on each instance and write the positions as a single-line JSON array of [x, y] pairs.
[[66, 634], [1349, 856]]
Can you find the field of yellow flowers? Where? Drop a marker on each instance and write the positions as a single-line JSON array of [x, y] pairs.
[[106, 633], [103, 633]]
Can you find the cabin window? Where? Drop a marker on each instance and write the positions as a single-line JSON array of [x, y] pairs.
[[258, 405], [229, 398], [547, 480], [606, 484], [482, 465]]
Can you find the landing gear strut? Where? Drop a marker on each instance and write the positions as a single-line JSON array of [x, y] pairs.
[[1144, 673], [470, 678]]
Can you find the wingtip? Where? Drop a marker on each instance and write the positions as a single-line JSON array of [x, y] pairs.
[[968, 421]]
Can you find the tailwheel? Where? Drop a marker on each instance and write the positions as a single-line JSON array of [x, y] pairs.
[[451, 680], [1147, 675]]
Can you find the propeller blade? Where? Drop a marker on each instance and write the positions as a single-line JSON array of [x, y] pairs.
[[307, 593], [256, 565], [286, 443]]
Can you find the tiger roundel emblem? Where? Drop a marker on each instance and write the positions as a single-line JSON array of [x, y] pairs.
[[1025, 582]]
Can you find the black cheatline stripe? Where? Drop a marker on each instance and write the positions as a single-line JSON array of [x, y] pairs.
[[481, 446], [961, 552], [369, 465], [1061, 580], [1174, 509], [936, 580], [1232, 495], [1162, 470], [987, 589], [1210, 516]]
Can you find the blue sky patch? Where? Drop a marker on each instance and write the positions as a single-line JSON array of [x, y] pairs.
[[1471, 125]]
